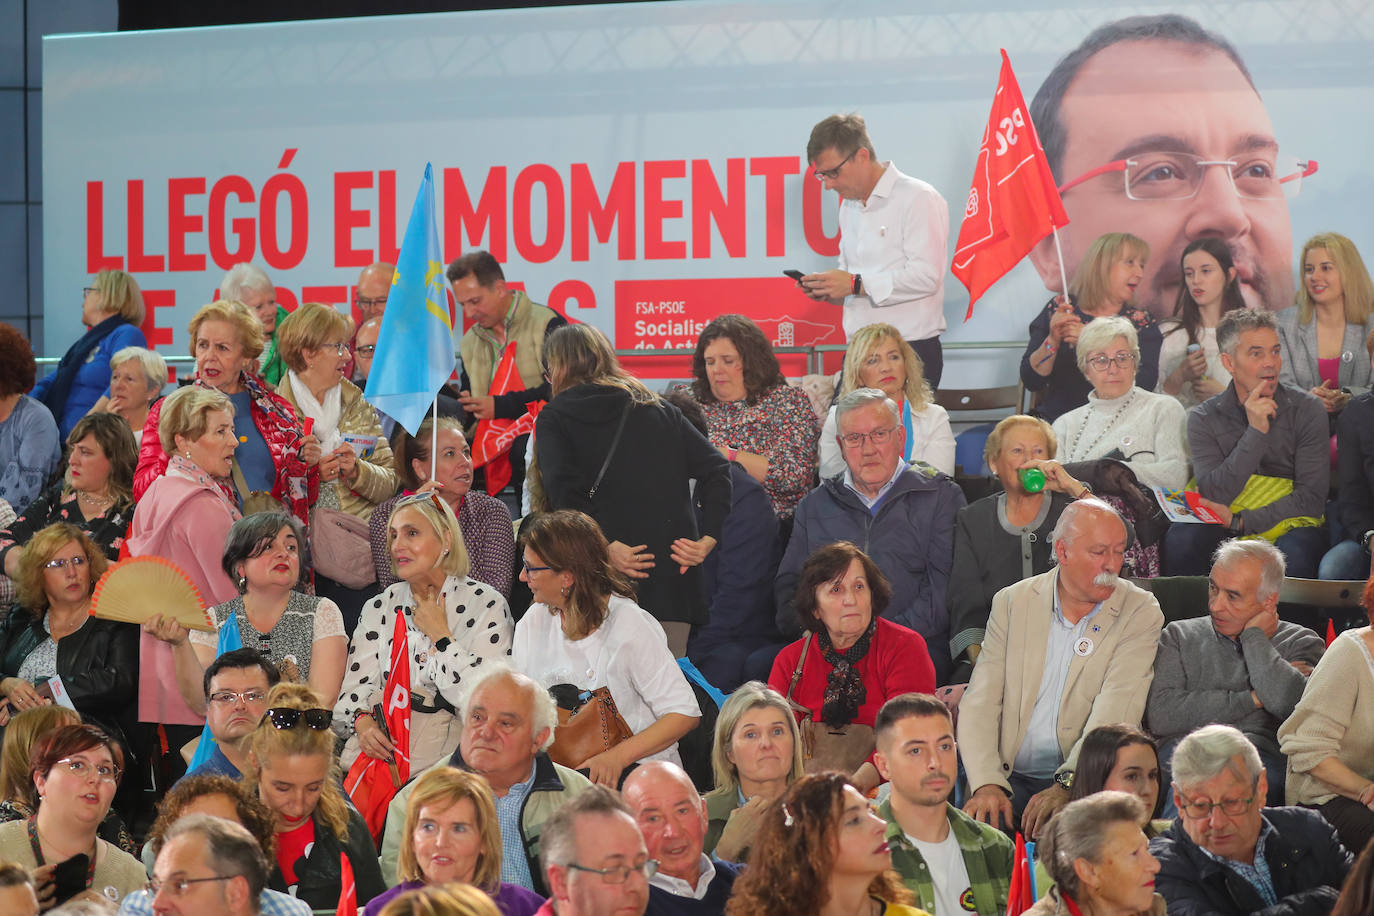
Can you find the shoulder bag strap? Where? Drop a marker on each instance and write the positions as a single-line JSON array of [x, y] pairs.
[[801, 663], [615, 441]]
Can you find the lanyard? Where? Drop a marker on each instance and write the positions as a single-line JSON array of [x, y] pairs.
[[38, 851]]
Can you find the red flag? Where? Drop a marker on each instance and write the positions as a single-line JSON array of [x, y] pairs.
[[1013, 202], [1330, 631], [372, 783], [492, 441], [348, 889], [1019, 897]]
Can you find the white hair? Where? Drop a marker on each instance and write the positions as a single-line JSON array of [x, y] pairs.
[[543, 712], [860, 398], [1098, 334], [1206, 752], [154, 366], [1066, 528], [1273, 566], [243, 276]]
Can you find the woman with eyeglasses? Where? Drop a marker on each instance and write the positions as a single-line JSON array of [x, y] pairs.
[[1103, 286], [76, 770], [821, 849], [297, 777], [879, 358], [51, 633], [268, 469], [1123, 420], [266, 557], [452, 625], [451, 836]]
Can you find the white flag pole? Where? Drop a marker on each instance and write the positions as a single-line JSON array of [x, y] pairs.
[[434, 441], [1063, 276]]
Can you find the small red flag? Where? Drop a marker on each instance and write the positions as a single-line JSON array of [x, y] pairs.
[[1019, 897], [348, 889], [492, 441], [1330, 631], [1013, 202], [372, 783]]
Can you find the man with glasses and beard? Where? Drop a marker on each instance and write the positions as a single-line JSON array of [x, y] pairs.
[[1065, 652]]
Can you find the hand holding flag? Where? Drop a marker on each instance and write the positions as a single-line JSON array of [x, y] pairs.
[[370, 782]]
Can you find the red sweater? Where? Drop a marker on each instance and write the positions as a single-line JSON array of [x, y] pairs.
[[897, 662]]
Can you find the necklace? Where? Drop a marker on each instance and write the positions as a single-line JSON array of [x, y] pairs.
[[95, 502], [1082, 428]]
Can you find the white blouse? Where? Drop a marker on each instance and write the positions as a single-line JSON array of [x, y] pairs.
[[628, 653], [929, 439], [1175, 348]]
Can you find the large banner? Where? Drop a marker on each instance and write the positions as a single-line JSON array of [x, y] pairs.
[[641, 166]]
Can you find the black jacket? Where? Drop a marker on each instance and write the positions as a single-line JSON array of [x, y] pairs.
[[98, 665], [318, 875], [1306, 863], [643, 497]]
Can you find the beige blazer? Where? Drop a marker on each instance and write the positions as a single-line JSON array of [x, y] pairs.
[[1108, 686]]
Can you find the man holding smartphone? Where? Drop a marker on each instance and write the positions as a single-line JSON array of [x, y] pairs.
[[893, 230]]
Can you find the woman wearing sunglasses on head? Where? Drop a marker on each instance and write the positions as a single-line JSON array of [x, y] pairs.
[[76, 770], [295, 776]]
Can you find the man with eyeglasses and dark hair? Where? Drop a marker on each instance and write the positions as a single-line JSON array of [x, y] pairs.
[[1229, 854], [208, 866], [902, 514], [892, 241], [236, 686], [594, 858], [369, 298], [1153, 125]]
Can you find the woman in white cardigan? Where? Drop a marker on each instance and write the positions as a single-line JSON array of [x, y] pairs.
[[1144, 429], [878, 357]]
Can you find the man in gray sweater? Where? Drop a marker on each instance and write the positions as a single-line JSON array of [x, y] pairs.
[[1240, 666]]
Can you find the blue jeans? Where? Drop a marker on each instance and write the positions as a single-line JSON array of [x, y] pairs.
[[1347, 560], [1188, 549]]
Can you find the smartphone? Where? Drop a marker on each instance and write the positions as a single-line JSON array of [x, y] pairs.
[[794, 274], [69, 877]]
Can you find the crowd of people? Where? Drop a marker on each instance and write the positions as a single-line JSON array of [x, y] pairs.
[[717, 649]]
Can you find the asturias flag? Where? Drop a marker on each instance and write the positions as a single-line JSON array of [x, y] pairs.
[[229, 640], [492, 441], [414, 355], [372, 783], [1013, 202]]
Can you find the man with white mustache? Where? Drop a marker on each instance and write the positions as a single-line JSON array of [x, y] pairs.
[[1065, 652]]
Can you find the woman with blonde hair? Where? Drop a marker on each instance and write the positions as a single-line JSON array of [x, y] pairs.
[[452, 624], [878, 357], [757, 754], [268, 470], [296, 776], [452, 836], [1104, 285], [608, 446], [1323, 336], [111, 309], [442, 900]]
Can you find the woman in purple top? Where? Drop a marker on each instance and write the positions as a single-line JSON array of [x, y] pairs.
[[451, 835]]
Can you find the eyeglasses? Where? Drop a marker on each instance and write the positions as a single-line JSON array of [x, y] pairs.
[[832, 174], [366, 350], [533, 569], [1229, 806], [75, 562], [1178, 176], [82, 769], [374, 303], [232, 698], [340, 348], [619, 874], [86, 291], [1102, 360], [178, 886], [288, 717], [877, 437]]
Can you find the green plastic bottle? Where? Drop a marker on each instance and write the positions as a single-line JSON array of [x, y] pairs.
[[1032, 479]]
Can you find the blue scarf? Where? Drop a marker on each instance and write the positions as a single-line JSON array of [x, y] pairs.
[[56, 396]]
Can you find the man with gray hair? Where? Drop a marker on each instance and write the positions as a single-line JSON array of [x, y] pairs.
[[1229, 854], [1065, 652], [1260, 446], [901, 515], [1240, 665], [248, 284], [508, 723]]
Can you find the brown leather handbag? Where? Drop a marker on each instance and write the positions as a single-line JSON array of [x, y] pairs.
[[594, 726], [826, 747]]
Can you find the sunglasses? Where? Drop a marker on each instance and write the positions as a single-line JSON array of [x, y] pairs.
[[288, 717]]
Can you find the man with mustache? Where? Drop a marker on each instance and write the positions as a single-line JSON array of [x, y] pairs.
[[952, 863], [1261, 447], [1153, 125], [1065, 652]]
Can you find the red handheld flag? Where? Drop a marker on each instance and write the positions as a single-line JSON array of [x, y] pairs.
[[1013, 202], [1019, 897], [348, 889], [372, 783], [492, 441]]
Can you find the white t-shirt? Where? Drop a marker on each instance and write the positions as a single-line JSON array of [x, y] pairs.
[[953, 890]]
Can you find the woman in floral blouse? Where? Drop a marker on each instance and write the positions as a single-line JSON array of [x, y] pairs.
[[756, 419]]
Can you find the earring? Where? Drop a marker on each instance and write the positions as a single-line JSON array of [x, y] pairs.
[[563, 591], [243, 583]]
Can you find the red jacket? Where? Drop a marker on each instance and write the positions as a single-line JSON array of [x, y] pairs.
[[296, 485]]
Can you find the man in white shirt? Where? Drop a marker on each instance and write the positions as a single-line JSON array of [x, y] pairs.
[[893, 230], [672, 818]]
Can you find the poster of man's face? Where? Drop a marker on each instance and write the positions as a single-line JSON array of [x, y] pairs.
[[1183, 148]]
